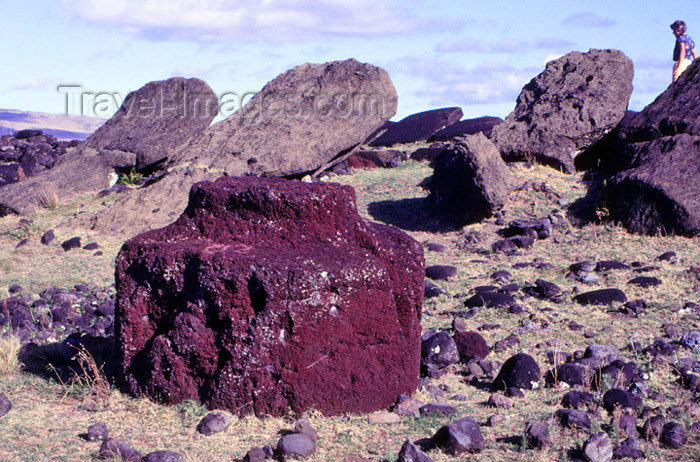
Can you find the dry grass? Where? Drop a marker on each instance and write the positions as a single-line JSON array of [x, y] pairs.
[[89, 382], [9, 351], [46, 421], [48, 198], [18, 265]]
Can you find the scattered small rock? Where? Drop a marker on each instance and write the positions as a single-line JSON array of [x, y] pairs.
[[255, 455], [460, 325], [440, 272], [97, 432], [627, 424], [407, 406], [163, 456], [645, 281], [434, 247], [537, 435], [670, 257], [520, 370], [72, 243], [463, 435], [607, 265], [602, 353], [502, 276], [471, 346], [490, 299], [577, 399], [304, 426], [691, 340], [574, 418], [601, 297], [113, 448], [652, 428], [673, 435], [439, 350], [214, 422], [47, 237], [598, 448], [410, 453], [498, 400], [629, 448], [296, 446], [617, 398], [430, 290], [543, 290], [5, 405]]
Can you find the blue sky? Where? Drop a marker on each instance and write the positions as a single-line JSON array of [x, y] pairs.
[[475, 55]]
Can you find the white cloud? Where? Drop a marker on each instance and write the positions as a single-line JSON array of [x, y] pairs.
[[272, 20], [36, 83], [588, 20], [489, 83], [505, 45]]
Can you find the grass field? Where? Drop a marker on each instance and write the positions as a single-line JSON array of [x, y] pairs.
[[48, 417]]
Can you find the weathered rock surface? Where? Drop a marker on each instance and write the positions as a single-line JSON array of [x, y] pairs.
[[113, 448], [537, 435], [214, 422], [163, 456], [418, 127], [598, 448], [658, 194], [291, 298], [519, 371], [471, 346], [656, 154], [298, 121], [601, 297], [156, 120], [97, 432], [463, 435], [296, 446], [411, 453], [467, 127], [29, 152], [5, 405], [296, 124], [151, 125], [573, 103], [470, 181]]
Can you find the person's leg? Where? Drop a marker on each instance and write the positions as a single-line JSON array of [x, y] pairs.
[[679, 67]]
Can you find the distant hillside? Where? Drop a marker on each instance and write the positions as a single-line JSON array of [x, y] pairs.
[[62, 126]]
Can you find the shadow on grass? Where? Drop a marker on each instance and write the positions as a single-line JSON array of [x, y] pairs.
[[586, 209], [61, 361], [408, 214]]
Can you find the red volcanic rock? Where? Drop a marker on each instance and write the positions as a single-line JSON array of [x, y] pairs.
[[269, 295]]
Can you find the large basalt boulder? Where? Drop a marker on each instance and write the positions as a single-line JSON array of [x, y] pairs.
[[299, 121], [270, 295], [152, 123], [658, 158], [418, 127], [470, 181], [156, 120], [572, 104], [483, 125], [296, 124]]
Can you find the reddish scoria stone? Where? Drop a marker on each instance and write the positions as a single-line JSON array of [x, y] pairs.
[[267, 296]]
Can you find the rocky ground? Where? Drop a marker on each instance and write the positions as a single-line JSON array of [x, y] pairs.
[[516, 354]]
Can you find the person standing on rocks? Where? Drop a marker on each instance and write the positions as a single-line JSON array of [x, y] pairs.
[[684, 52]]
